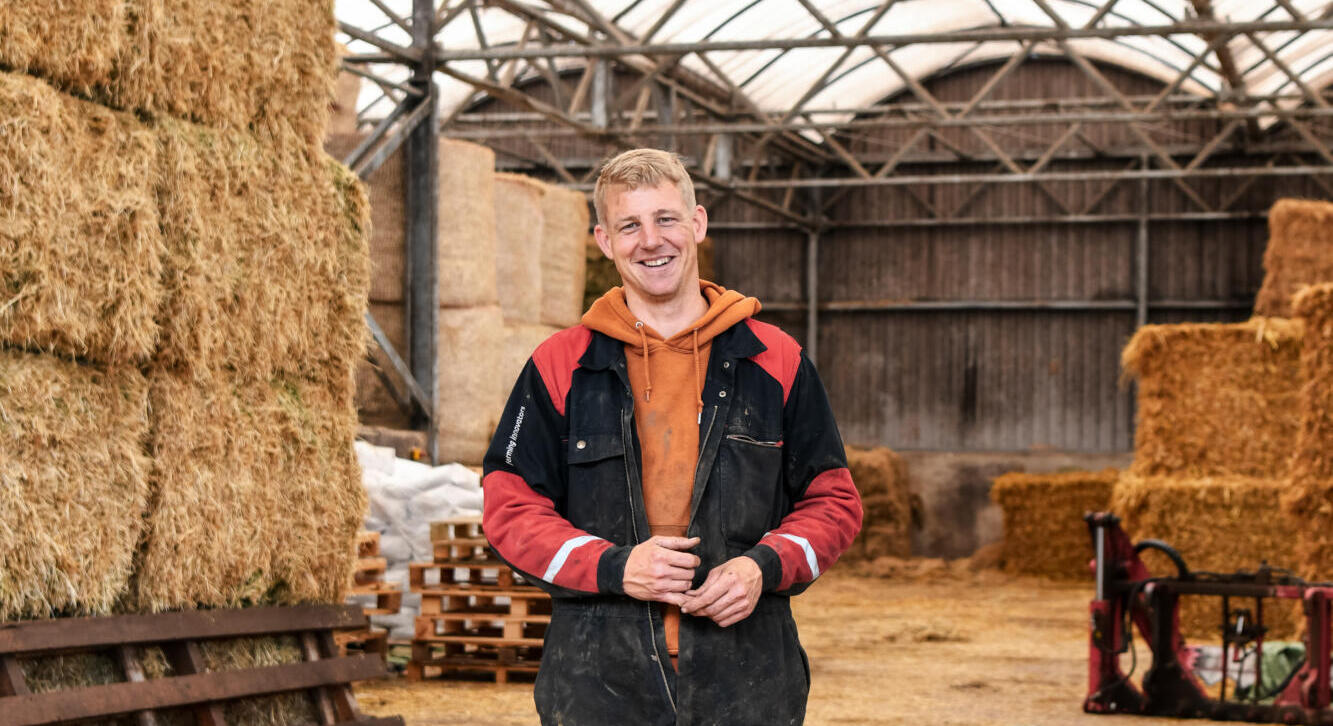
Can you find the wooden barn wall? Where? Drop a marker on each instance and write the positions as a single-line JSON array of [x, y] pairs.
[[1006, 380]]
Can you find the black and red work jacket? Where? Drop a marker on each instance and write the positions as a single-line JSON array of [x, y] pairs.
[[564, 506]]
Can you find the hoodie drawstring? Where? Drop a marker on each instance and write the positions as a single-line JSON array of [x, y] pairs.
[[647, 369], [698, 385]]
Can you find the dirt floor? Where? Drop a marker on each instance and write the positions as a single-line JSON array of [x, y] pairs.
[[946, 648]]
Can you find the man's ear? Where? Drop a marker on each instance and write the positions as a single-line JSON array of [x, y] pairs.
[[603, 241], [700, 221]]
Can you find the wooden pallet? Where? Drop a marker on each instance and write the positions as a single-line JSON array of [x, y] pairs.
[[323, 674], [388, 597], [370, 570], [367, 544], [431, 660], [457, 528], [422, 576], [367, 640]]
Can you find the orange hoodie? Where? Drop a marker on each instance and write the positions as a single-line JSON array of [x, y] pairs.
[[667, 378]]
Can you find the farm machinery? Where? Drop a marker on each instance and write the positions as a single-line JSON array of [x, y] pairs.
[[1128, 598]]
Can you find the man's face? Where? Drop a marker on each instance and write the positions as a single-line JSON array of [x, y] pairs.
[[653, 239]]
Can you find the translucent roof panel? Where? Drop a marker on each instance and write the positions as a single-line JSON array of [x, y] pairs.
[[830, 78]]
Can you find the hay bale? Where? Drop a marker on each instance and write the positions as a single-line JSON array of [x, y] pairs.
[[1044, 531], [600, 271], [73, 484], [1299, 253], [881, 478], [388, 242], [1308, 500], [519, 246], [1217, 524], [469, 399], [465, 238], [521, 339], [267, 67], [80, 247], [267, 268], [1215, 399], [257, 494], [563, 273]]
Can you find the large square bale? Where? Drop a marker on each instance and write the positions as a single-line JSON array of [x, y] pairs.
[[470, 394], [266, 66], [465, 234], [257, 495], [881, 479], [80, 247], [73, 484], [519, 246], [267, 263], [1299, 253], [1217, 524], [563, 264], [1044, 531], [1309, 498], [1215, 399]]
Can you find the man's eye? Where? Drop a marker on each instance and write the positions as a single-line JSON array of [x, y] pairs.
[[666, 220], [629, 227]]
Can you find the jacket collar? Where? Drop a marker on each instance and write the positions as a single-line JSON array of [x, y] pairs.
[[734, 343]]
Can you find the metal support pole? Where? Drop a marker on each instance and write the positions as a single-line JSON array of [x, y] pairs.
[[422, 285], [812, 296], [1141, 252]]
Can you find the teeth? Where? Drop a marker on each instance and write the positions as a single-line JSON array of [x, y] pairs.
[[658, 262]]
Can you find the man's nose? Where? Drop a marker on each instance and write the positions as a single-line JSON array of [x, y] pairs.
[[652, 236]]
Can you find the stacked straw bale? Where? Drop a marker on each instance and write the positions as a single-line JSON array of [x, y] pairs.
[[73, 483], [1299, 253], [881, 478], [388, 243], [267, 67], [266, 268], [469, 401], [257, 494], [564, 267], [1215, 399], [80, 246], [1217, 524], [519, 246], [466, 236], [1308, 500], [1044, 531], [521, 339]]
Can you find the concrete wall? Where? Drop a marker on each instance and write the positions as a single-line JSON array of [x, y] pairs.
[[955, 492]]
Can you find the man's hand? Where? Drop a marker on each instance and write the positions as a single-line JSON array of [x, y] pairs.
[[661, 569], [729, 593]]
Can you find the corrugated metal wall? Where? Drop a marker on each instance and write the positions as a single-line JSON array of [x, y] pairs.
[[1004, 380]]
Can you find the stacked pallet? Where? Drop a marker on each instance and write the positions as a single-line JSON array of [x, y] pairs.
[[368, 582], [477, 615]]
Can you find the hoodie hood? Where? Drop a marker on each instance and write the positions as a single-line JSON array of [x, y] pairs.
[[611, 316]]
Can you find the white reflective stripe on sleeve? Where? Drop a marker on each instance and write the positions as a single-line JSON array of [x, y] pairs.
[[563, 554], [809, 552]]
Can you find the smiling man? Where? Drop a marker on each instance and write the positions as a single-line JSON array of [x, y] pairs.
[[670, 471]]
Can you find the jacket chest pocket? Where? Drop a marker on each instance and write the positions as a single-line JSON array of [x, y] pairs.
[[596, 497], [751, 486]]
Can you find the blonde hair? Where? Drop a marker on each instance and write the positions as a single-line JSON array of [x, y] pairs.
[[642, 168]]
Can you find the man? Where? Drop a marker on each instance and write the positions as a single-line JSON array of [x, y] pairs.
[[670, 472]]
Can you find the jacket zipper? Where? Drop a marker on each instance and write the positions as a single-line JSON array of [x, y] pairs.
[[748, 440], [634, 528]]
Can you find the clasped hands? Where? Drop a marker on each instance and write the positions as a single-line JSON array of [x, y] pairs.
[[662, 569]]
